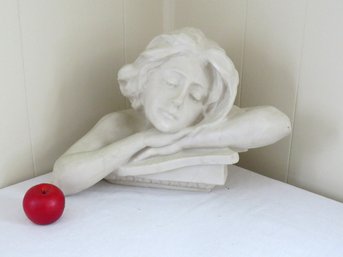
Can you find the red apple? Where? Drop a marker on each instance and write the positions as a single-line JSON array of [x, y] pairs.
[[43, 203]]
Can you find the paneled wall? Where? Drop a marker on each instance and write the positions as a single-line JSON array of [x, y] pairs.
[[58, 64], [15, 143], [316, 161], [289, 54]]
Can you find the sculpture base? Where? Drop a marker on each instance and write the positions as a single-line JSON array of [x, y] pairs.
[[193, 178]]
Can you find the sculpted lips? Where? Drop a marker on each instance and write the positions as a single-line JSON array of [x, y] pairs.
[[168, 115]]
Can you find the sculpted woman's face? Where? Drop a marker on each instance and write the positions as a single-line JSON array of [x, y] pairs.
[[175, 92]]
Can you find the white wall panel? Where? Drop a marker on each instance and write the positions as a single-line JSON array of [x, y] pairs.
[[272, 55], [16, 158], [59, 61], [72, 51], [221, 20], [316, 156], [143, 21]]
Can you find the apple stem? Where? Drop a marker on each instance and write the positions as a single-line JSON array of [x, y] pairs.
[[44, 191]]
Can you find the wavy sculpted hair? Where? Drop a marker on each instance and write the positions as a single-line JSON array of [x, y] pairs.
[[133, 77]]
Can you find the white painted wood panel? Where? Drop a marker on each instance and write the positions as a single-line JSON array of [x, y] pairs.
[[273, 44], [221, 20], [316, 156], [72, 51], [143, 21], [16, 157], [62, 78]]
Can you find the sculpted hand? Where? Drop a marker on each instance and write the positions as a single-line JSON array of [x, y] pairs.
[[202, 138], [155, 138], [159, 143], [165, 150], [191, 140]]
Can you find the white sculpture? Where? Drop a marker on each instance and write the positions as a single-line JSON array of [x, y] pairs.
[[183, 129]]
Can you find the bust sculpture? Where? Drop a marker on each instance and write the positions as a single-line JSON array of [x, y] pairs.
[[183, 127]]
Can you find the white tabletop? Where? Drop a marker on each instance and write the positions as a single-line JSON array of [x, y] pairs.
[[251, 216]]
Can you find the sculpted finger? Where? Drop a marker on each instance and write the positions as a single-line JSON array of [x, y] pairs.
[[146, 154], [182, 133], [169, 150]]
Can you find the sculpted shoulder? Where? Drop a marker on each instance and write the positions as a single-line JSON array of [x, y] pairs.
[[117, 125], [109, 129]]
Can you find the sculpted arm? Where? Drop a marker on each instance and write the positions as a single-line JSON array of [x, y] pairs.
[[110, 144], [92, 158], [253, 127], [243, 129]]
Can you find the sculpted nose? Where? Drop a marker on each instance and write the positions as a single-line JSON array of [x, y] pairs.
[[179, 98], [177, 101]]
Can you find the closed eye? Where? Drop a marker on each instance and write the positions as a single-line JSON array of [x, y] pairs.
[[172, 83], [197, 93], [197, 97], [171, 78]]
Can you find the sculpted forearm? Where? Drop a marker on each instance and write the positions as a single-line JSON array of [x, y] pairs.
[[77, 171], [255, 127], [248, 128]]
